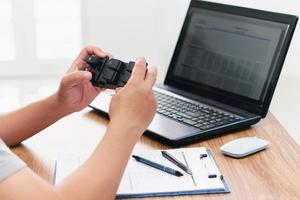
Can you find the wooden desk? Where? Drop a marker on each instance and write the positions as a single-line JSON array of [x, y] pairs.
[[271, 174]]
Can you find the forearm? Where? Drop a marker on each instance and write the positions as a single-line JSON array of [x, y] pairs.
[[25, 185], [131, 111], [102, 172], [97, 178], [21, 124]]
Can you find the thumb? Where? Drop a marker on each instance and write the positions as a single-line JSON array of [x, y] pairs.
[[75, 78]]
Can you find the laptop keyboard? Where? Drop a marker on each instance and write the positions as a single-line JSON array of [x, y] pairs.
[[197, 115]]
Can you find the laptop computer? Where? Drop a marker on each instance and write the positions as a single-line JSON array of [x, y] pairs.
[[222, 74]]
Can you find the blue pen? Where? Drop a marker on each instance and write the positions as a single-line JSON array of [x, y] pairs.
[[157, 166]]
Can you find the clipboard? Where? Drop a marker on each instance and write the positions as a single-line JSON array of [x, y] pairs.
[[140, 180]]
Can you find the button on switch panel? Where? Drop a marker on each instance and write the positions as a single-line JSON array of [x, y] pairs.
[[109, 73]]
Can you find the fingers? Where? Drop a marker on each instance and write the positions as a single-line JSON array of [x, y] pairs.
[[151, 76], [92, 50], [139, 70], [140, 73], [80, 61], [75, 78]]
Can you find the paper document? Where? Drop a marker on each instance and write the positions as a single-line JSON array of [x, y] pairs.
[[140, 180]]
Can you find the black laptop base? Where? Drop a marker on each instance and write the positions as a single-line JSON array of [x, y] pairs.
[[228, 129]]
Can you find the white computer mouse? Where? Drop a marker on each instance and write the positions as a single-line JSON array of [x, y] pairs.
[[243, 146]]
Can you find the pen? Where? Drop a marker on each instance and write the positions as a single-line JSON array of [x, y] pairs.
[[157, 166], [176, 162]]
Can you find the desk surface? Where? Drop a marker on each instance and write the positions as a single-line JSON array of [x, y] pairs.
[[271, 174]]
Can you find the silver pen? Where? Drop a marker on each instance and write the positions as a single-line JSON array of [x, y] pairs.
[[172, 159]]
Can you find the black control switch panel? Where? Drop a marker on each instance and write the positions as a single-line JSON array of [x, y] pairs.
[[109, 72]]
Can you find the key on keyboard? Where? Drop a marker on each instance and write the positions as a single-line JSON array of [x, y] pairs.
[[197, 115]]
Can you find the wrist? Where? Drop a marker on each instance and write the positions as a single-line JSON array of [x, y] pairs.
[[57, 107], [123, 127]]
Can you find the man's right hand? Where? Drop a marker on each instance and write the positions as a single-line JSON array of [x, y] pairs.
[[133, 106]]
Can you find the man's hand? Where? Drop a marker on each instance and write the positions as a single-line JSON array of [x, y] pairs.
[[75, 90], [134, 105]]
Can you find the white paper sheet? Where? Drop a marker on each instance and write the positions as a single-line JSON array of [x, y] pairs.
[[140, 178]]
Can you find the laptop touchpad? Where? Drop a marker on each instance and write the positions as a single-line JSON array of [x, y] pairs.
[[170, 129]]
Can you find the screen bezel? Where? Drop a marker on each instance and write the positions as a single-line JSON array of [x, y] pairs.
[[248, 104]]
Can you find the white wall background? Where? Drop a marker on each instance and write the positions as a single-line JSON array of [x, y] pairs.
[[150, 27], [126, 28], [133, 28], [38, 37]]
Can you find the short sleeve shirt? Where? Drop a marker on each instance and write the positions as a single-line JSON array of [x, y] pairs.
[[9, 162]]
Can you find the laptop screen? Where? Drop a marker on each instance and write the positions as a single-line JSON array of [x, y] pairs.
[[228, 52]]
